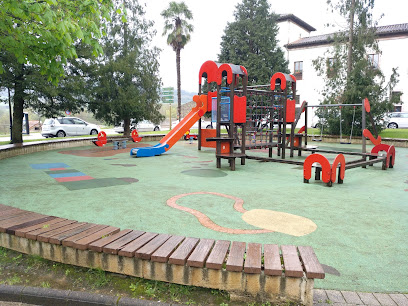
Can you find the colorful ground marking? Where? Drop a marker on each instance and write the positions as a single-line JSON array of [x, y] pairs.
[[268, 221], [49, 166], [73, 179]]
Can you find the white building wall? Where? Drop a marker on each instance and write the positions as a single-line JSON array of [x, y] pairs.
[[393, 56], [309, 88]]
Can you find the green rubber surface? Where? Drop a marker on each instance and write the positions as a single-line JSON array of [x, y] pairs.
[[362, 225]]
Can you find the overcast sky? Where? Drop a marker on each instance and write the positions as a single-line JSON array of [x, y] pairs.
[[210, 20]]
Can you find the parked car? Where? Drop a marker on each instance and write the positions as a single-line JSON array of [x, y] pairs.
[[142, 126], [205, 124], [68, 126], [397, 120]]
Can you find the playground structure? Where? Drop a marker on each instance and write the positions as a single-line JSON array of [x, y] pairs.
[[257, 117], [268, 110]]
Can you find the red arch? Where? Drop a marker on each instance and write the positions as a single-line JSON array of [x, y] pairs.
[[338, 160], [221, 69], [324, 163], [211, 69], [390, 150], [281, 76]]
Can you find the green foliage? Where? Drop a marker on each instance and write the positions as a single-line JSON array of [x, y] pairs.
[[42, 33], [176, 25], [251, 41], [351, 77], [124, 83], [178, 29], [37, 39]]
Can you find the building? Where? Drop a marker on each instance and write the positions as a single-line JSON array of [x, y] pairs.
[[302, 48]]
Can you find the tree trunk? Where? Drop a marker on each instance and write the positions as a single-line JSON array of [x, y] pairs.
[[350, 43], [178, 84], [18, 106], [126, 127]]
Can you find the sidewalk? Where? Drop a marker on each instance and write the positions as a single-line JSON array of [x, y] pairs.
[[334, 297]]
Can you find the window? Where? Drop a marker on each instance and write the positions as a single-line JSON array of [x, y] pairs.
[[373, 59], [298, 71]]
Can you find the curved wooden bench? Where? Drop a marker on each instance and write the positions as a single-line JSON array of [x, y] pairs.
[[261, 271]]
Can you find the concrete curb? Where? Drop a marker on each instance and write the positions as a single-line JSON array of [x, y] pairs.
[[51, 297]]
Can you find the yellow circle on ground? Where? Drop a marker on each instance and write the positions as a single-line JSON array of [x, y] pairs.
[[279, 222]]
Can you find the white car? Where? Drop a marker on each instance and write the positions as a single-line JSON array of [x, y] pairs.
[[68, 126], [204, 124], [142, 126], [397, 120]]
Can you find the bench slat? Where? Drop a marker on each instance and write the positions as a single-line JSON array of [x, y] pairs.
[[98, 245], [272, 260], [72, 239], [5, 224], [45, 229], [200, 253], [115, 246], [148, 249], [130, 249], [253, 258], [58, 238], [12, 230], [163, 253], [83, 243], [180, 255], [12, 213], [218, 253], [291, 261], [5, 207], [21, 232], [312, 265], [235, 261], [44, 237]]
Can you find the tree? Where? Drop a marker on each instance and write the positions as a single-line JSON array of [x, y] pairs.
[[350, 74], [124, 82], [251, 41], [178, 30], [41, 35]]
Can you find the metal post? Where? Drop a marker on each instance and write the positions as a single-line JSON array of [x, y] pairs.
[[306, 125], [363, 126], [11, 116], [199, 122]]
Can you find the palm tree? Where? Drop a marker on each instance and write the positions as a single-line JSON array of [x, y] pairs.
[[178, 30]]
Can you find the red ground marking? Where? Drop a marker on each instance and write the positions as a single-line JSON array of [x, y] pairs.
[[73, 178], [207, 222], [56, 169]]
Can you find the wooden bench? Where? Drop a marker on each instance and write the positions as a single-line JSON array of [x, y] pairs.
[[261, 271]]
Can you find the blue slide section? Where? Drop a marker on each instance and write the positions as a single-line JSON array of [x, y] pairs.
[[149, 151]]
